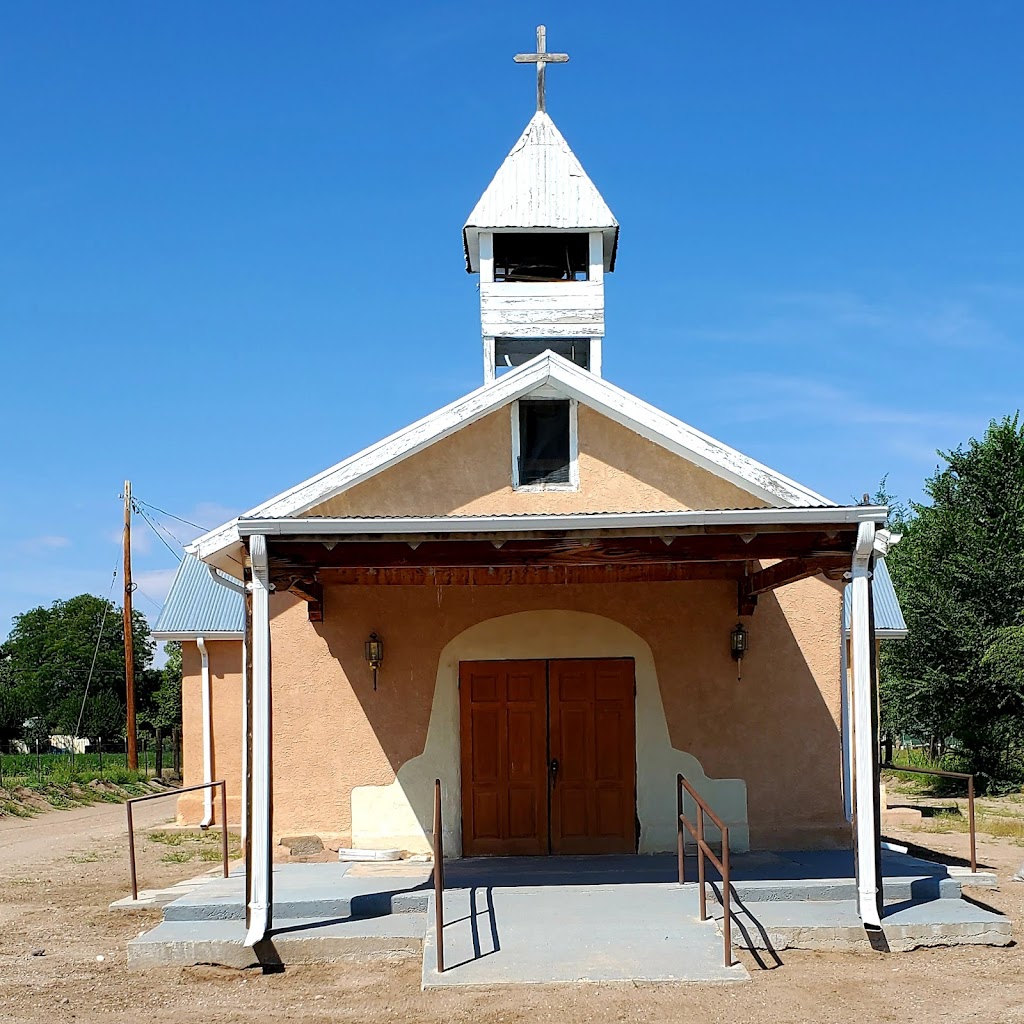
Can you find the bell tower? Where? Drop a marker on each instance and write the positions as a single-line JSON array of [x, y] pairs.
[[541, 238]]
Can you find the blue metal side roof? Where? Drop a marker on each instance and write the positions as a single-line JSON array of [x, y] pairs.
[[198, 605], [888, 615]]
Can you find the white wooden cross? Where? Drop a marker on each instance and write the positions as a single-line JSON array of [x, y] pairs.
[[541, 58]]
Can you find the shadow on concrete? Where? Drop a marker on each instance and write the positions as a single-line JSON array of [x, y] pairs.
[[936, 857], [743, 920], [639, 869], [474, 924]]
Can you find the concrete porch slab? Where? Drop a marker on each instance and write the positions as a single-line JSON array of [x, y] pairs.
[[835, 926], [601, 933], [161, 897], [185, 943], [310, 891]]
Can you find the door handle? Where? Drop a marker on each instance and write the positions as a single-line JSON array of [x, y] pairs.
[[553, 769]]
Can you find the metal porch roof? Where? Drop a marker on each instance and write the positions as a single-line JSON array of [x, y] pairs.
[[889, 619], [198, 606]]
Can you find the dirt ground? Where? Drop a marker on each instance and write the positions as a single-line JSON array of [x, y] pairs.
[[62, 959]]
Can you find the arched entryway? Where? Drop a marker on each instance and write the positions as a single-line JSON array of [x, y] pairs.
[[400, 814]]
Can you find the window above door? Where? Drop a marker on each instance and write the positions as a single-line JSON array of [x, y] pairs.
[[545, 445]]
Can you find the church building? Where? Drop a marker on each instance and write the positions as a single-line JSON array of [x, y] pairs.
[[548, 594]]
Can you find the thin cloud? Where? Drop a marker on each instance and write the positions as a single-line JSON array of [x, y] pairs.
[[45, 542], [154, 584], [815, 401], [830, 317]]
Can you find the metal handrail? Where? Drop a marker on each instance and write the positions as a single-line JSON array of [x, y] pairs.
[[438, 877], [178, 792], [947, 775], [703, 850]]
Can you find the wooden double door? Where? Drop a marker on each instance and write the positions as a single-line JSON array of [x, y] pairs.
[[548, 757]]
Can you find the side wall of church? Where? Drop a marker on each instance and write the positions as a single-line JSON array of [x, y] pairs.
[[226, 707]]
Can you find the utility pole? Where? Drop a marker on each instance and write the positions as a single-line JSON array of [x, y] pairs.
[[129, 654]]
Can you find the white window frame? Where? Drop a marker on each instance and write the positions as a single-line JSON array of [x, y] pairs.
[[574, 448]]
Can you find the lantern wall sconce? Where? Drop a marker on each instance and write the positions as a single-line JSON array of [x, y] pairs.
[[738, 646], [374, 653]]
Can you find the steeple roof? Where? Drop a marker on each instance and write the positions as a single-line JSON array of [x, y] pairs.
[[541, 184]]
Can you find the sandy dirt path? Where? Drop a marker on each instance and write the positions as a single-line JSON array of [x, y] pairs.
[[55, 927], [27, 841]]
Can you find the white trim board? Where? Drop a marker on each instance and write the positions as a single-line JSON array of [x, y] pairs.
[[325, 526], [556, 375], [194, 634]]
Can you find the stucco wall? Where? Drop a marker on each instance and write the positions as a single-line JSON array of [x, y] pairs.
[[619, 472], [777, 729], [226, 704]]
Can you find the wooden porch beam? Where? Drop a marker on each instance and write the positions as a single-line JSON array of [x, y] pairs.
[[789, 570], [312, 592], [522, 575], [303, 558]]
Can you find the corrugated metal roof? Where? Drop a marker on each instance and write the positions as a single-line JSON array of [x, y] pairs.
[[198, 605], [541, 184], [888, 614], [528, 516]]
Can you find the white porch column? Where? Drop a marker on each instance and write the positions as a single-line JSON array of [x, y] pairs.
[[243, 813], [867, 832], [847, 740], [260, 882]]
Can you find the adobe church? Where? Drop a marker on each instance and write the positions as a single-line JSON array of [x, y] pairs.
[[548, 594]]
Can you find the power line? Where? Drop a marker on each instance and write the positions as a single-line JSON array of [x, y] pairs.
[[159, 535], [171, 515], [167, 533], [95, 652], [147, 597]]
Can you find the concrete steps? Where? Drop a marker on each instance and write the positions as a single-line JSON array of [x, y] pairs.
[[295, 941], [325, 908], [835, 926], [326, 892], [899, 889]]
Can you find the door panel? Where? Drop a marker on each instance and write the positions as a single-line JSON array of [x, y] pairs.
[[503, 710], [593, 737], [516, 716]]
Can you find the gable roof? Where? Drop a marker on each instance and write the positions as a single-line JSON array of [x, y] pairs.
[[541, 184], [555, 376], [197, 605]]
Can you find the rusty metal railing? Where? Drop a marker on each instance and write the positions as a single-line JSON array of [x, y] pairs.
[[177, 792], [438, 877], [970, 798], [705, 851]]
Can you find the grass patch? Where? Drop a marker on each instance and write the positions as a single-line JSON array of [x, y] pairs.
[[91, 857], [191, 846], [59, 798], [16, 810], [167, 838], [26, 799], [998, 824], [177, 856]]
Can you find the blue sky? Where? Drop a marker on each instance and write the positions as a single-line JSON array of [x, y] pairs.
[[230, 246]]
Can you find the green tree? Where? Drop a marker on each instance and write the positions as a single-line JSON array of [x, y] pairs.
[[166, 699], [959, 572], [45, 662]]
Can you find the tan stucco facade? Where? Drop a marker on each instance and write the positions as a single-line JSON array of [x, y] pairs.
[[469, 473], [358, 764], [226, 709]]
